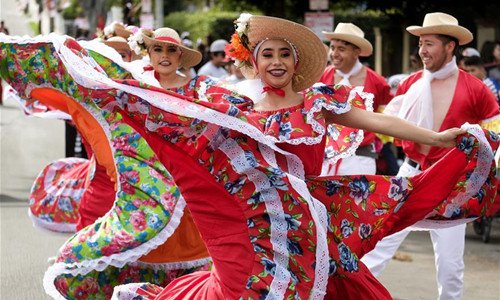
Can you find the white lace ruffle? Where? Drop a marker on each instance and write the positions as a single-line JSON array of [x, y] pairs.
[[474, 183], [117, 260]]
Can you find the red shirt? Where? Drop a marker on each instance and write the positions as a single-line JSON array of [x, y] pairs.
[[472, 102], [374, 84]]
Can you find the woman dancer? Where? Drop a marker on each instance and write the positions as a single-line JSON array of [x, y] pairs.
[[185, 251]]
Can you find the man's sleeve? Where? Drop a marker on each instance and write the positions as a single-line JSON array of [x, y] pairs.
[[488, 109]]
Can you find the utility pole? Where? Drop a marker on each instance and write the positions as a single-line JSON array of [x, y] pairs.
[[159, 13]]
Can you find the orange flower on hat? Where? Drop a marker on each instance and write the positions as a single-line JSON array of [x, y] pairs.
[[235, 49]]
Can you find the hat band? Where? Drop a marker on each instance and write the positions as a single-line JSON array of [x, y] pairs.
[[167, 39]]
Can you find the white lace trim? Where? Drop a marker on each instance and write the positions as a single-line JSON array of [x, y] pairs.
[[273, 204], [320, 218], [89, 74], [478, 176], [180, 265], [279, 230], [117, 260], [425, 225], [332, 158], [496, 117], [476, 180], [48, 114]]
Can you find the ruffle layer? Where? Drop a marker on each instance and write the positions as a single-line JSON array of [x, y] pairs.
[[55, 195]]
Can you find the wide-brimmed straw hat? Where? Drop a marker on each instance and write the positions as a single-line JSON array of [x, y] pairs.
[[310, 50], [353, 34], [121, 31], [441, 23], [189, 57], [118, 42]]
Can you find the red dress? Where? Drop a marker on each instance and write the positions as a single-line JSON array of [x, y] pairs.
[[235, 220]]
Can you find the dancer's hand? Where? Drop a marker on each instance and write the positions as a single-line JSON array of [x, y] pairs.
[[447, 138]]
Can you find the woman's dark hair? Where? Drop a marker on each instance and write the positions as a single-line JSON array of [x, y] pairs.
[[487, 51], [473, 61]]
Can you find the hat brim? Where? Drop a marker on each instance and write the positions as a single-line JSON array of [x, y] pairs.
[[362, 43], [124, 33], [462, 34], [118, 45], [189, 57], [311, 52]]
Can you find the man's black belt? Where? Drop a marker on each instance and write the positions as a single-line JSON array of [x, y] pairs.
[[367, 150], [412, 163]]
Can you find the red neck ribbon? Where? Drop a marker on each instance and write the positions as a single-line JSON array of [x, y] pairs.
[[150, 68], [277, 91]]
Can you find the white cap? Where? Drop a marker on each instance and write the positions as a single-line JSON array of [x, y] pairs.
[[470, 52], [218, 45]]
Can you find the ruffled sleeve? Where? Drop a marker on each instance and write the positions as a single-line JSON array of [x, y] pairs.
[[341, 141]]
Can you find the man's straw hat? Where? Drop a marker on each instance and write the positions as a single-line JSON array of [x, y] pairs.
[[441, 23], [167, 35], [310, 50], [353, 34]]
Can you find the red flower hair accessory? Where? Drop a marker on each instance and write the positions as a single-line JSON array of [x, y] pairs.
[[238, 48]]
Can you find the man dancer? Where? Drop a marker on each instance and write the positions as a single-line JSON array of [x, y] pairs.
[[439, 97], [347, 44]]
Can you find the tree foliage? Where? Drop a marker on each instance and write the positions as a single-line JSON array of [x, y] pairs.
[[208, 26]]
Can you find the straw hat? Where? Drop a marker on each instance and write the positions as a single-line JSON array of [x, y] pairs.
[[353, 34], [118, 42], [167, 35], [121, 31], [310, 50], [441, 23]]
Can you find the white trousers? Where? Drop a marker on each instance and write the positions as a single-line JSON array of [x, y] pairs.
[[448, 244], [353, 165]]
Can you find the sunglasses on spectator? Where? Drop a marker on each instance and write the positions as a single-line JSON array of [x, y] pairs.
[[219, 53]]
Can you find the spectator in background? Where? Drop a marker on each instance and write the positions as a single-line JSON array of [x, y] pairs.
[[490, 53], [3, 29], [469, 51], [415, 62], [215, 67], [463, 54], [474, 65], [202, 48], [235, 73], [189, 72]]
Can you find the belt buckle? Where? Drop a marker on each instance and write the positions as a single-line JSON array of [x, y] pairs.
[[412, 163]]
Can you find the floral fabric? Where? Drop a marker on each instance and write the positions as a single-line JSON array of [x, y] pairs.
[[152, 196], [55, 195]]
